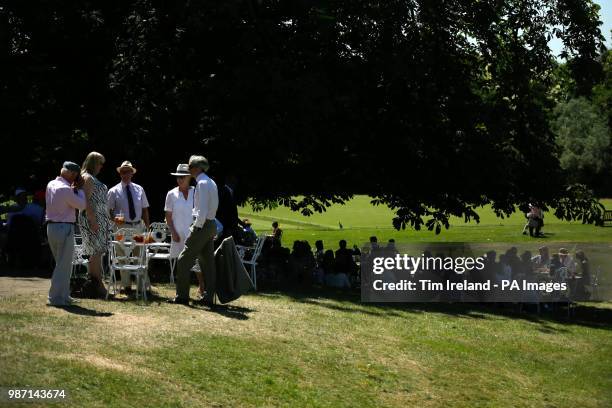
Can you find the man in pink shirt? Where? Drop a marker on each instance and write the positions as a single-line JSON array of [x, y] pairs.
[[63, 196]]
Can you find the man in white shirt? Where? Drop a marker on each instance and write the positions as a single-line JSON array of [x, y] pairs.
[[130, 200], [200, 242]]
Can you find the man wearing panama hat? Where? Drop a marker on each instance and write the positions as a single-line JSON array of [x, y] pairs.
[[130, 200]]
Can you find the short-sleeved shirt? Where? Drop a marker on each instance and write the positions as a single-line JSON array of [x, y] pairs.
[[182, 216], [118, 200]]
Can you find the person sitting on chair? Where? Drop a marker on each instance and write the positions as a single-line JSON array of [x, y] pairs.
[[249, 235], [277, 233]]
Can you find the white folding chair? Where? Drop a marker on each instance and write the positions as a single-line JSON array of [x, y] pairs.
[[160, 249], [249, 255], [78, 259], [136, 265]]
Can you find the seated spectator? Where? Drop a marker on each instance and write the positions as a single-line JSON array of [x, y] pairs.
[[277, 232], [319, 253], [374, 247], [542, 260], [390, 249], [333, 279], [249, 236], [513, 260], [584, 267], [318, 272], [526, 266], [302, 263], [33, 210], [504, 271], [581, 285], [24, 233], [567, 262], [554, 265], [344, 260], [329, 263], [490, 270]]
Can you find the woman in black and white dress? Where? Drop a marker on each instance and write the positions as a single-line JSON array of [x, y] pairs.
[[94, 221]]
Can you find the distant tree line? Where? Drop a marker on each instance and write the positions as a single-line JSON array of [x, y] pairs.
[[581, 122]]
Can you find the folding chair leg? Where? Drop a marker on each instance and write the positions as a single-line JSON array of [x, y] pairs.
[[110, 283], [172, 271], [254, 276], [144, 286], [137, 286]]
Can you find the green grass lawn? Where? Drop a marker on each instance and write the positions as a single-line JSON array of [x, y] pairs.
[[319, 348], [311, 349], [360, 220]]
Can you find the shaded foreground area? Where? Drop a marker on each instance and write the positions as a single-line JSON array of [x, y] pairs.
[[306, 349]]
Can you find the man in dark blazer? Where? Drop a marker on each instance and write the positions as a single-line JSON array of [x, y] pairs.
[[227, 213]]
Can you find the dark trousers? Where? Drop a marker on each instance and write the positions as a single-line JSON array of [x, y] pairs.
[[535, 228]]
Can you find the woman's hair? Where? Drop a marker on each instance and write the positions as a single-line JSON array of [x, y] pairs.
[[91, 161]]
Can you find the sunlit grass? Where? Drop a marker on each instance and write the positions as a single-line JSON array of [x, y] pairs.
[[312, 349]]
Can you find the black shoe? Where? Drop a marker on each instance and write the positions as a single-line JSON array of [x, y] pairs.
[[206, 301], [179, 301]]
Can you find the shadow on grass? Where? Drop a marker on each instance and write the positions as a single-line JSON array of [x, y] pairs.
[[83, 311], [154, 297], [227, 310], [583, 314]]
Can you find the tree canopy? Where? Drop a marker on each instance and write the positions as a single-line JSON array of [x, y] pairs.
[[431, 107], [584, 138]]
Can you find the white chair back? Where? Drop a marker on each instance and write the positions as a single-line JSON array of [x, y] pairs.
[[249, 256], [159, 231]]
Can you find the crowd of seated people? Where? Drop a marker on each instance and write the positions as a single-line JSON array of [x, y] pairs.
[[558, 267], [304, 266]]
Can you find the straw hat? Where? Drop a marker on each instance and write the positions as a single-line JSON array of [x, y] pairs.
[[126, 165]]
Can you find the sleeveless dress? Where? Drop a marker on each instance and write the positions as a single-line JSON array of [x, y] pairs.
[[96, 243]]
